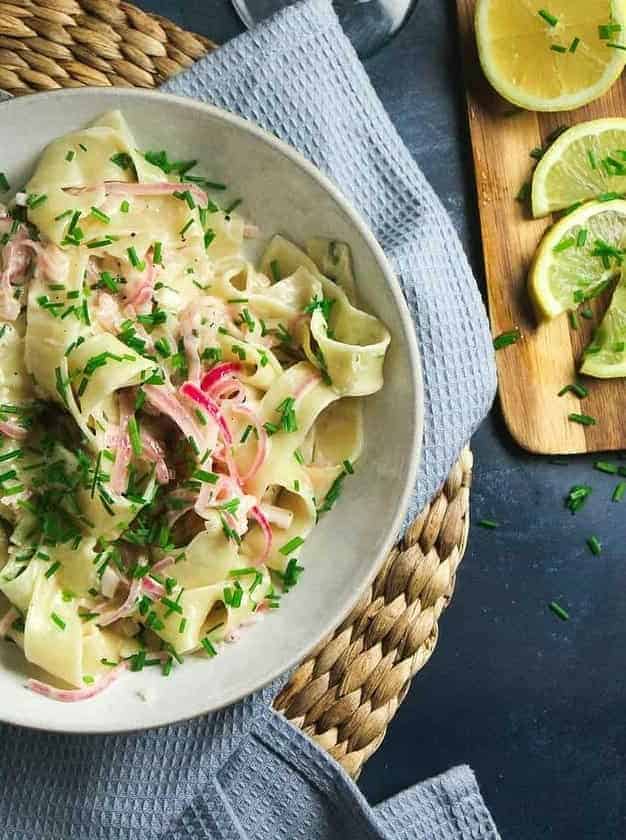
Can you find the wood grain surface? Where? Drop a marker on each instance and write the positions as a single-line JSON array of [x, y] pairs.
[[532, 371]]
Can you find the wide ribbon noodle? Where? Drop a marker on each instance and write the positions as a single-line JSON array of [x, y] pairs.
[[173, 419]]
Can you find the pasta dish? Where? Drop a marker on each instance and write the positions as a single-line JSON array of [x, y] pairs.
[[174, 417]]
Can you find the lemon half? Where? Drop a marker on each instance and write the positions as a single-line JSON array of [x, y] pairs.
[[550, 56], [577, 257]]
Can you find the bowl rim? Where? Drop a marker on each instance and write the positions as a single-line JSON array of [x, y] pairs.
[[407, 330]]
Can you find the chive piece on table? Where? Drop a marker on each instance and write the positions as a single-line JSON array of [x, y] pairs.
[[551, 20], [487, 523], [582, 419], [605, 467], [506, 338], [558, 610], [618, 493], [595, 546], [558, 48]]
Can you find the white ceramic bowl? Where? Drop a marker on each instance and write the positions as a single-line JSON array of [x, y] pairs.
[[283, 193]]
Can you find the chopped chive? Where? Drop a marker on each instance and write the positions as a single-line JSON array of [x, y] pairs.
[[244, 436], [135, 439], [292, 545], [592, 159], [203, 475], [506, 338], [107, 279], [558, 610], [208, 647], [549, 19], [134, 259], [100, 243], [582, 419], [298, 456], [573, 319], [572, 207], [186, 227], [233, 206], [581, 237], [595, 546], [209, 236], [574, 45], [275, 269], [58, 621], [124, 207], [564, 244], [63, 215], [4, 184], [488, 523], [53, 568], [558, 48], [157, 253], [182, 625], [174, 606], [577, 497], [575, 388], [586, 313], [609, 196], [605, 31], [618, 493], [615, 46], [100, 216], [605, 467], [35, 200]]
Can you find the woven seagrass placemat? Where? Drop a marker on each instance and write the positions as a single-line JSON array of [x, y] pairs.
[[348, 689]]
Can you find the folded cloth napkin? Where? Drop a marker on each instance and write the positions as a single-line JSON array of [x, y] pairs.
[[245, 772]]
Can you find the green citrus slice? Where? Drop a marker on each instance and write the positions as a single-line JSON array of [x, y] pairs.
[[578, 257], [606, 355], [586, 161]]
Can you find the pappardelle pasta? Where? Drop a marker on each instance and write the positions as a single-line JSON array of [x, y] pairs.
[[173, 419]]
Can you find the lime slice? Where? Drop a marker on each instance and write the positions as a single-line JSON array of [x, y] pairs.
[[578, 257], [586, 161], [606, 355], [550, 57]]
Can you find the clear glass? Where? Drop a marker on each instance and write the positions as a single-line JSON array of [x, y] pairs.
[[370, 24]]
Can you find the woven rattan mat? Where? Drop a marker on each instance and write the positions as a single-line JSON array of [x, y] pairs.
[[349, 688]]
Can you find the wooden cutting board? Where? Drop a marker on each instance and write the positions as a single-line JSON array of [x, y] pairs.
[[532, 371]]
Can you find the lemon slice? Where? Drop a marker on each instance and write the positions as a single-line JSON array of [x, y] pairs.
[[606, 355], [586, 161], [577, 257], [549, 55]]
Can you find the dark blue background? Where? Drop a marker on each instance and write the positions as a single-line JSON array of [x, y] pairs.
[[535, 705]]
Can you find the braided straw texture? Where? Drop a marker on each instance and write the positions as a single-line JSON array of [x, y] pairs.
[[349, 688]]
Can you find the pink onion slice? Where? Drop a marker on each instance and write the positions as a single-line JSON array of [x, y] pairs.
[[158, 188], [258, 514], [196, 395], [219, 372], [12, 430], [75, 695], [168, 404], [7, 620], [281, 517], [262, 447], [123, 449], [152, 451]]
